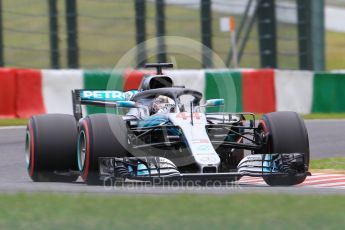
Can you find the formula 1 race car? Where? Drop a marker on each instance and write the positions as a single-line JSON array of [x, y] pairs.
[[164, 135]]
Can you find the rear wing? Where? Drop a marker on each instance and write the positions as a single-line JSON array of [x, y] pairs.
[[102, 98]]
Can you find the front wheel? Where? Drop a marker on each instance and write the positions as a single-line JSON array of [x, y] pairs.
[[100, 135], [286, 134]]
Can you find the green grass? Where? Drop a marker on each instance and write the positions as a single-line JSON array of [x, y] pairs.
[[336, 163], [335, 49], [13, 122], [324, 116], [48, 211], [107, 32], [312, 116]]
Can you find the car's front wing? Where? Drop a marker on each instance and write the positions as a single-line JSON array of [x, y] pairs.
[[160, 170]]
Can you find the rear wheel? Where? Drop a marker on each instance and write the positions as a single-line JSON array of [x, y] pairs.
[[100, 135], [51, 143], [286, 134]]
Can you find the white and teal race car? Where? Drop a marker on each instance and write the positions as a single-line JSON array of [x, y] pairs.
[[161, 133]]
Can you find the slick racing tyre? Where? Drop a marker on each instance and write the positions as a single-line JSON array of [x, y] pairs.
[[51, 144], [100, 135], [286, 134]]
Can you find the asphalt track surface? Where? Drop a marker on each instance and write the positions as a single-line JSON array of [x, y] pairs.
[[325, 136]]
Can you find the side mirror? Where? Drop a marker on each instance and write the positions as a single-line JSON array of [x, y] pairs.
[[126, 104], [214, 102]]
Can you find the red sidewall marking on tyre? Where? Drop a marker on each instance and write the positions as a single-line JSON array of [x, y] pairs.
[[87, 157], [264, 125], [32, 152]]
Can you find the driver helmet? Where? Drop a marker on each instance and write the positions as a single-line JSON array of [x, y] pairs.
[[162, 104]]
